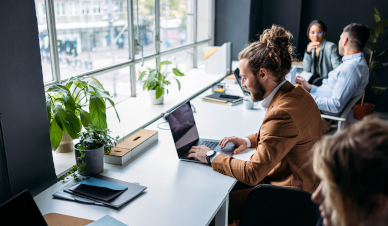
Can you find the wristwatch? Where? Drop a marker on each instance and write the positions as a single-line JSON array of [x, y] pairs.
[[210, 154]]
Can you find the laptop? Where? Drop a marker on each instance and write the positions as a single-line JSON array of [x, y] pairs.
[[185, 134], [238, 78], [21, 210]]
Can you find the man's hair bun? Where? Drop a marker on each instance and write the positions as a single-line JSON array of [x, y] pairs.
[[273, 51]]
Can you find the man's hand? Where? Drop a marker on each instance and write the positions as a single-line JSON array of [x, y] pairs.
[[301, 81], [239, 142], [312, 45], [199, 152]]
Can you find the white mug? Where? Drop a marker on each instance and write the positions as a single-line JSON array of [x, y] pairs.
[[248, 103]]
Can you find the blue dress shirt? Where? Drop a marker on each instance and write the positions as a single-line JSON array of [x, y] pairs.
[[343, 83]]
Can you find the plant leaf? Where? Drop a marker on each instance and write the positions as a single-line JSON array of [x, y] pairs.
[[377, 17], [159, 92], [85, 118], [69, 103], [48, 108], [96, 82], [144, 73], [114, 107], [97, 109], [58, 88], [144, 86], [379, 27], [383, 54], [160, 78], [151, 77], [73, 127], [179, 84], [60, 116], [377, 12], [177, 72], [55, 134], [164, 63]]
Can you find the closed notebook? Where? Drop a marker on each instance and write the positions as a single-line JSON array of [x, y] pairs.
[[128, 194], [98, 189], [104, 194], [220, 98]]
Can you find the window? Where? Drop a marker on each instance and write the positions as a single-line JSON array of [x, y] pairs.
[[92, 42], [176, 23], [93, 37]]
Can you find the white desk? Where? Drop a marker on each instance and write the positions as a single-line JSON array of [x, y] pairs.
[[135, 113], [178, 193]]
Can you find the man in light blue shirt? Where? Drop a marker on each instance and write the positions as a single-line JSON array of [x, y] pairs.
[[347, 80]]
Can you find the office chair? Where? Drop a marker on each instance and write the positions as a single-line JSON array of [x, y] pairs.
[[345, 112], [274, 205]]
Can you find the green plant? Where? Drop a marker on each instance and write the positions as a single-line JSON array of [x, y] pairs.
[[94, 138], [154, 79], [80, 165], [372, 48], [66, 107]]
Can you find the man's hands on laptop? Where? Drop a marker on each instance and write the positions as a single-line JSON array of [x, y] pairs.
[[240, 143], [199, 152]]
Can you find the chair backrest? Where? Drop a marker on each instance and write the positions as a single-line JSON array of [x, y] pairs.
[[275, 205], [349, 106]]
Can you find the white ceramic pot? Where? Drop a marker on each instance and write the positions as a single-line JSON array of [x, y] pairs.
[[153, 99], [66, 144]]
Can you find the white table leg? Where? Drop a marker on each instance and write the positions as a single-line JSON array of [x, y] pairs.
[[222, 214]]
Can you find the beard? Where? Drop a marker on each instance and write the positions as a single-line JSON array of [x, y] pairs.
[[257, 91]]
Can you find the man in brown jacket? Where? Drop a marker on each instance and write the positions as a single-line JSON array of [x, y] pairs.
[[290, 128]]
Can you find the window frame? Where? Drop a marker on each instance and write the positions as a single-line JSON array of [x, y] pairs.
[[55, 68]]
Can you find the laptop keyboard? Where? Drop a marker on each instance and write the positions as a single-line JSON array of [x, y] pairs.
[[209, 144]]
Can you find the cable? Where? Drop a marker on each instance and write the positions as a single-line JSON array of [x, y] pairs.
[[161, 127]]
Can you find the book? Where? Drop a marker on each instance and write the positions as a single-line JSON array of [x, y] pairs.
[[131, 146], [220, 98], [133, 191]]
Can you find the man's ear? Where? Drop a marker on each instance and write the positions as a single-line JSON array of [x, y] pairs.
[[346, 41], [263, 74]]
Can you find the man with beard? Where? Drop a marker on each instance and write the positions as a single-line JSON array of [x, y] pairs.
[[347, 80], [290, 128]]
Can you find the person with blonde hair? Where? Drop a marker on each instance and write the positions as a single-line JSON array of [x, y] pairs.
[[353, 168], [283, 142]]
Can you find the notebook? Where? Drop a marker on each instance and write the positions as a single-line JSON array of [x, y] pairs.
[[132, 191]]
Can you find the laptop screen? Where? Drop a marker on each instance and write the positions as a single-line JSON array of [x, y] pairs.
[[21, 210], [183, 128]]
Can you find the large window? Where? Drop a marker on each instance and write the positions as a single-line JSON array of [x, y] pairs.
[[114, 40]]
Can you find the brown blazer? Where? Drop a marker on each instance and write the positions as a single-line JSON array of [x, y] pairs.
[[291, 126]]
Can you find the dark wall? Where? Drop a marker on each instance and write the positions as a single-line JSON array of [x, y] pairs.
[[232, 24], [278, 12], [22, 100], [295, 16]]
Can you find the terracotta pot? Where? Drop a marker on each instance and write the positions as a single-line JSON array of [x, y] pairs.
[[66, 144], [360, 112]]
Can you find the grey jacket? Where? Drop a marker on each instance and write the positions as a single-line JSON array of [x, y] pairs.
[[328, 59]]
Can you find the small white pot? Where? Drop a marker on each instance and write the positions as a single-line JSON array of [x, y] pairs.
[[153, 99]]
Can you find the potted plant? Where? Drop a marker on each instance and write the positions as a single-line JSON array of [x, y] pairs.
[[93, 143], [67, 109], [372, 48], [155, 81]]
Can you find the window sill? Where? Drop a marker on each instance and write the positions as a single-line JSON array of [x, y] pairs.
[[138, 112]]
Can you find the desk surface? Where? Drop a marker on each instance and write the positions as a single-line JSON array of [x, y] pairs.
[[178, 193]]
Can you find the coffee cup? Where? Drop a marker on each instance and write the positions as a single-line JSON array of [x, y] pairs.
[[248, 104]]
